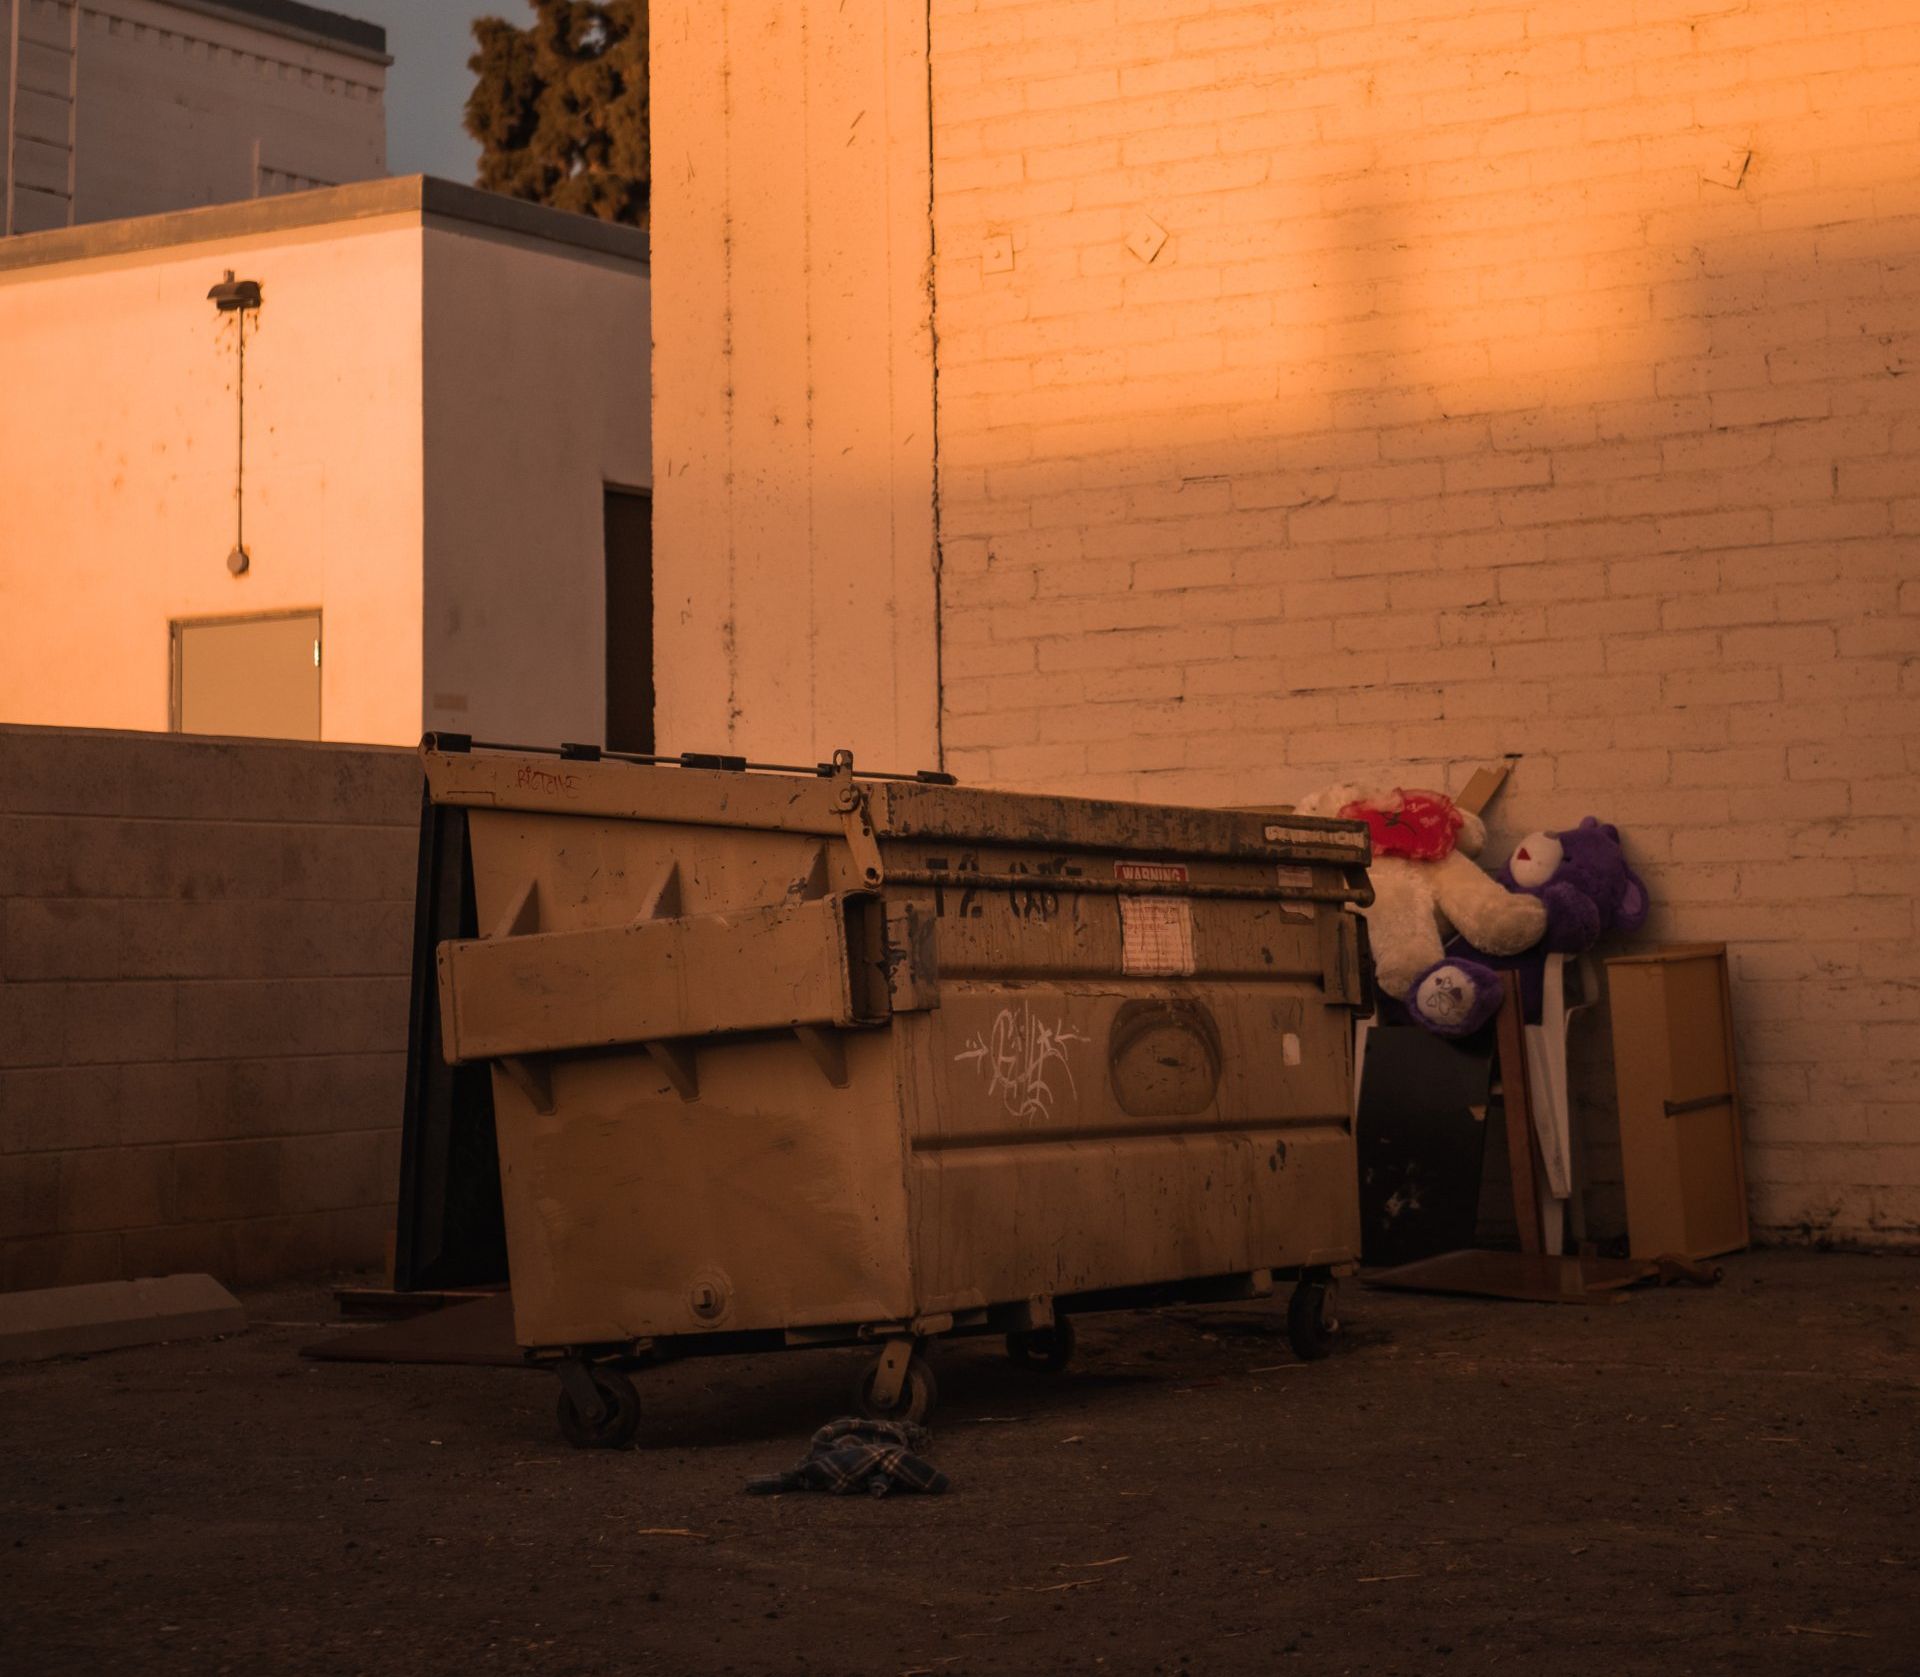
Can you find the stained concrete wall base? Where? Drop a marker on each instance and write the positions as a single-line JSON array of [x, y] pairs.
[[107, 1315]]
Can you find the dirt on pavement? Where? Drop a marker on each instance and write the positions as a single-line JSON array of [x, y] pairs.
[[1686, 1482]]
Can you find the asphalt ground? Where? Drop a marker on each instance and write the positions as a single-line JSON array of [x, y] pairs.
[[1685, 1482]]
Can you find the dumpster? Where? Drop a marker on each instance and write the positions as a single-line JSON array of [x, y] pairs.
[[802, 1058]]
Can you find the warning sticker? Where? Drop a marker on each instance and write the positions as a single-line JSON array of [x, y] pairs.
[[1156, 933], [1156, 936], [1161, 873]]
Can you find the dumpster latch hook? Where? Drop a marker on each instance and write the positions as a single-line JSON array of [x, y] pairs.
[[850, 800]]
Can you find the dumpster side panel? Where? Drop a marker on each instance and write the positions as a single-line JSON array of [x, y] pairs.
[[771, 1199], [1015, 1220], [1076, 1126], [774, 1200]]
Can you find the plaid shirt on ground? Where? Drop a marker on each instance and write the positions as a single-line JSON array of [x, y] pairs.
[[850, 1456]]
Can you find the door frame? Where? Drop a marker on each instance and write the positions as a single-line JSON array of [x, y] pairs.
[[612, 486], [176, 666]]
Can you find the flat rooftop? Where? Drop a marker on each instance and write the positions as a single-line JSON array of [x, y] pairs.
[[299, 21], [442, 201]]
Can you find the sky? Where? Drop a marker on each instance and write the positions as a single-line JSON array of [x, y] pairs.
[[428, 84]]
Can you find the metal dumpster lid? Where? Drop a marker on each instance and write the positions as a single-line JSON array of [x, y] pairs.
[[782, 798]]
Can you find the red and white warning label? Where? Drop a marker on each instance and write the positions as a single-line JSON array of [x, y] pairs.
[[1160, 873]]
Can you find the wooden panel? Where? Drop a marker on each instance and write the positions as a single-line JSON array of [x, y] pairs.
[[1707, 1120], [1680, 1133]]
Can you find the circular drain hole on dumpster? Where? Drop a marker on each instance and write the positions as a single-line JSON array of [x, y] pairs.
[[1164, 1058]]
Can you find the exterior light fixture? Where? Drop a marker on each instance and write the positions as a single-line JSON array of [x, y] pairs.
[[235, 297], [232, 294]]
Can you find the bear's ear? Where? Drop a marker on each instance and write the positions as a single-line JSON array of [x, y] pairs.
[[1632, 913], [1328, 800], [1611, 831], [1588, 823]]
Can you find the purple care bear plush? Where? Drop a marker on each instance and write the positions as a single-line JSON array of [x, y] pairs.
[[1582, 878]]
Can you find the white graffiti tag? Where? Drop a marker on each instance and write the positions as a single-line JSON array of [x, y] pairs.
[[1018, 1058]]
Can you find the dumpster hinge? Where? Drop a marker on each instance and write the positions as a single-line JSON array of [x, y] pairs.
[[851, 802]]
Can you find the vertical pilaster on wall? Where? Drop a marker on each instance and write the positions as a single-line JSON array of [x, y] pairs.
[[793, 380], [38, 108]]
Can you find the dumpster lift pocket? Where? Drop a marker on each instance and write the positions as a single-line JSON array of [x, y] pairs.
[[812, 967]]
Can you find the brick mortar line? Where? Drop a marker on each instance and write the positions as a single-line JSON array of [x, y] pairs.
[[176, 1146], [197, 902], [209, 1060], [198, 1223], [956, 205], [230, 978], [269, 823]]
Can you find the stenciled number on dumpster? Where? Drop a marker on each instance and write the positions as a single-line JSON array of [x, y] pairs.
[[1021, 1056], [1041, 904], [968, 907], [1028, 902]]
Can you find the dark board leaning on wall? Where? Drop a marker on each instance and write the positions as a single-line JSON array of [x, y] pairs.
[[1422, 1135], [450, 1230]]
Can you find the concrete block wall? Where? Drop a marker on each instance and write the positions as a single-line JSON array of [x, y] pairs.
[[1367, 389], [204, 949]]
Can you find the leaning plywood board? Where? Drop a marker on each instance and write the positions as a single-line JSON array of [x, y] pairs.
[[1680, 1135], [1481, 789]]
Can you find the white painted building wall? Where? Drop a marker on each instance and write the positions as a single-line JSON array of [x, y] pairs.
[[536, 399], [1336, 391], [424, 358], [793, 386]]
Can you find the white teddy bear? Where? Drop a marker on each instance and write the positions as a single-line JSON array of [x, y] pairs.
[[1426, 883]]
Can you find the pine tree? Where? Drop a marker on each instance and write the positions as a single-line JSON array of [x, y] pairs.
[[560, 107]]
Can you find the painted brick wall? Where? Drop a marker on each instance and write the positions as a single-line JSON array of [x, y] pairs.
[[204, 949], [1534, 377]]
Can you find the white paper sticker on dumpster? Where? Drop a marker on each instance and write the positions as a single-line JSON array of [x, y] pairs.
[[1156, 933]]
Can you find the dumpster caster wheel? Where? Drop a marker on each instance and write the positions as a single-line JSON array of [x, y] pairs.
[[1049, 1349], [619, 1417], [1311, 1324], [919, 1392]]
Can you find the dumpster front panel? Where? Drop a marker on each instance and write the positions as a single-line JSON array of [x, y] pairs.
[[1070, 1137], [1137, 1072], [1096, 1103]]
